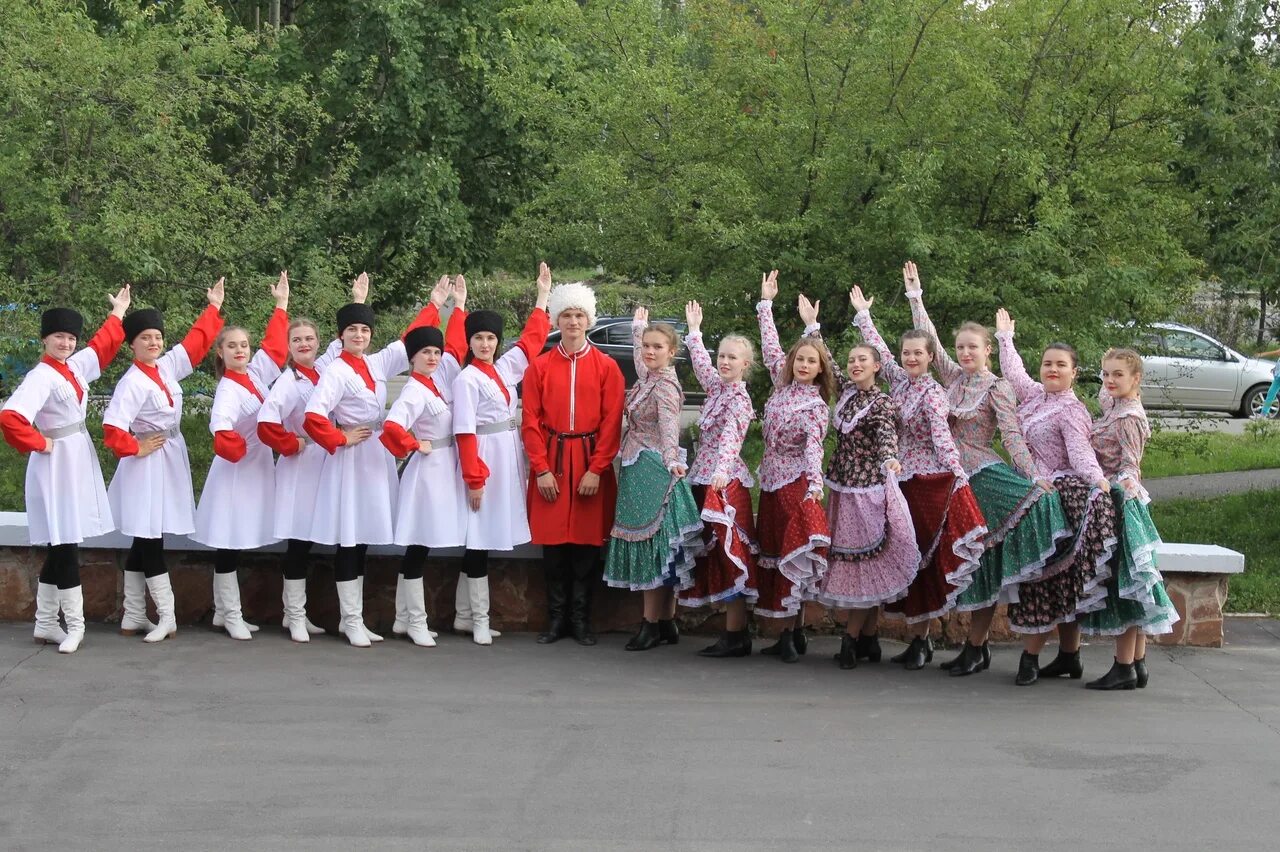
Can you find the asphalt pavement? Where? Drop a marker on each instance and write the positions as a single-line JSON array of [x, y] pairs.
[[203, 742]]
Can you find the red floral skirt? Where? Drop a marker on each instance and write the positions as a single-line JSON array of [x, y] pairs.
[[793, 536], [949, 532], [729, 532]]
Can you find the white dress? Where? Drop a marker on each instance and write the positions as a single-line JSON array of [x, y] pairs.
[[356, 494], [298, 475], [502, 522], [152, 496], [237, 505], [66, 500], [432, 507]]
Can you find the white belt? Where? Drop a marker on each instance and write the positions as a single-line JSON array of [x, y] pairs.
[[497, 428], [65, 431]]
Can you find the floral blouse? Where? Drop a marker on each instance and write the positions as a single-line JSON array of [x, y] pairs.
[[723, 422], [925, 444], [653, 410], [980, 404], [1056, 424], [866, 423], [1119, 436], [795, 419]]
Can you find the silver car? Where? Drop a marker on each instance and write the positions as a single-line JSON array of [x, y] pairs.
[[1186, 368]]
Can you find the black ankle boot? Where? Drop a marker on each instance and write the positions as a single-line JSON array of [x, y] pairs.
[[556, 630], [969, 662], [1121, 676], [668, 632], [906, 655], [1028, 669], [784, 648], [1140, 669], [919, 652], [1066, 663], [848, 657], [732, 643], [868, 648], [646, 637], [800, 639]]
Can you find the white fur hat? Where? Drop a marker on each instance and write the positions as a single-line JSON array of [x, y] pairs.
[[574, 295]]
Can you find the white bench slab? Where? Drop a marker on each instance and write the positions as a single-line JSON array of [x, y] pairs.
[[1198, 559]]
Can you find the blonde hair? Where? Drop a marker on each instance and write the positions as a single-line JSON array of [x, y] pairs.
[[745, 343], [930, 344], [825, 380], [299, 322], [975, 328], [667, 331], [1128, 357], [219, 366]]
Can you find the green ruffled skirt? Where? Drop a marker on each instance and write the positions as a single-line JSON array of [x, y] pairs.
[[1028, 529], [1136, 596], [657, 529]]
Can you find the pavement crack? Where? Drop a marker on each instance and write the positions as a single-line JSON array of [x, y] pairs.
[[1227, 698], [14, 667]]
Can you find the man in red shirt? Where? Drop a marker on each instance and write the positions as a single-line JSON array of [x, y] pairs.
[[572, 427]]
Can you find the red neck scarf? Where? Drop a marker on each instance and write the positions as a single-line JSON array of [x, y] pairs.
[[356, 362], [312, 374], [63, 370], [490, 371], [243, 380], [152, 372], [429, 383]]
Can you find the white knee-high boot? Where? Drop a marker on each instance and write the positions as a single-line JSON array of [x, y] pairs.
[[295, 610], [351, 623], [47, 627], [227, 589], [479, 593], [462, 608], [400, 626], [373, 637], [416, 614], [135, 618], [162, 594], [72, 602]]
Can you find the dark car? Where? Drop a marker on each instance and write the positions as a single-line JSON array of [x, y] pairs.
[[612, 335]]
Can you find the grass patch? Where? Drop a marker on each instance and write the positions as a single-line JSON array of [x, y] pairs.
[[1171, 453], [1243, 522]]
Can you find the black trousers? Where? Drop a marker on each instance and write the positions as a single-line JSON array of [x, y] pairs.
[[61, 566], [296, 559], [475, 563], [348, 563], [414, 563], [147, 556]]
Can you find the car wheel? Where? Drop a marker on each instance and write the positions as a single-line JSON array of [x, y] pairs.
[[1251, 405]]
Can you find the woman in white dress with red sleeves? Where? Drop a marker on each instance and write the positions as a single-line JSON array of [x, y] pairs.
[[431, 510], [490, 451], [355, 498], [236, 509], [151, 494], [66, 500]]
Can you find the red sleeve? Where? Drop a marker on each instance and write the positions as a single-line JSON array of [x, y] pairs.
[[279, 438], [323, 432], [275, 340], [455, 335], [106, 342], [609, 438], [429, 315], [119, 441], [19, 433], [228, 444], [201, 336], [535, 442], [474, 470], [534, 335], [396, 439]]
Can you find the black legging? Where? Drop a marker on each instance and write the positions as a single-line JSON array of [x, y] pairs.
[[146, 555], [296, 559], [61, 566], [415, 561], [225, 561], [475, 563], [348, 563]]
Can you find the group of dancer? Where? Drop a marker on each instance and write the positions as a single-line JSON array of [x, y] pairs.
[[922, 515]]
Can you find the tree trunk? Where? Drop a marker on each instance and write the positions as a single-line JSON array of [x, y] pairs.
[[1262, 316]]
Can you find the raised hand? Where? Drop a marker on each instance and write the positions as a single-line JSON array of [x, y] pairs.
[[640, 317], [808, 310], [280, 290], [360, 288], [1004, 322], [769, 286], [544, 284], [911, 277], [693, 317], [440, 292], [860, 302], [460, 292], [217, 293], [120, 301]]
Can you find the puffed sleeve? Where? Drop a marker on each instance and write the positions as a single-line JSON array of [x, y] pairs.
[[1005, 405], [324, 399], [669, 399], [1012, 367], [227, 442], [770, 345], [888, 364]]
